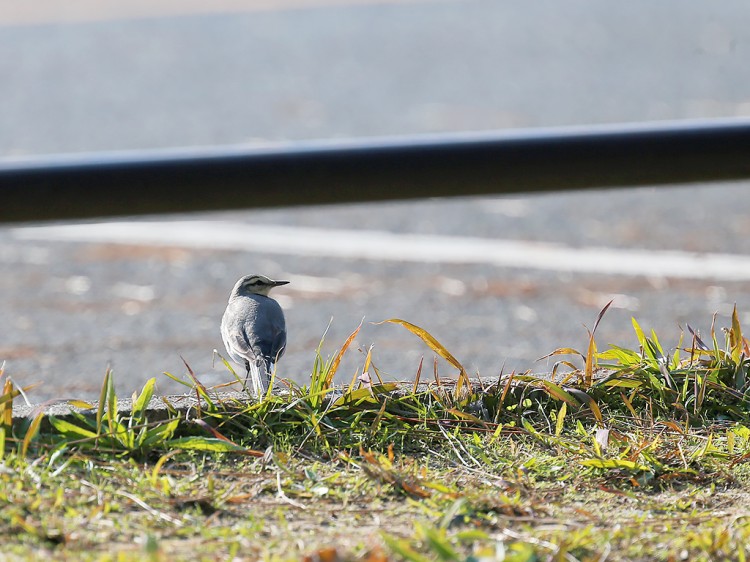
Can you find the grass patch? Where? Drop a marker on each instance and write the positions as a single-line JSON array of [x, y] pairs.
[[620, 455]]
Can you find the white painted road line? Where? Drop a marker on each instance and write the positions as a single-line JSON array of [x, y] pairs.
[[378, 245]]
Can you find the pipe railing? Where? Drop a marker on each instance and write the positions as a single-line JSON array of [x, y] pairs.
[[307, 173]]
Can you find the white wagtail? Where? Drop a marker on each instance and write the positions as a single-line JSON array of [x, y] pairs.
[[254, 330]]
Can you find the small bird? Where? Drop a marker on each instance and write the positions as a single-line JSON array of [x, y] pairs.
[[254, 330]]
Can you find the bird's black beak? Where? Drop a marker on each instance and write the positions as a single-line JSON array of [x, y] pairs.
[[277, 283]]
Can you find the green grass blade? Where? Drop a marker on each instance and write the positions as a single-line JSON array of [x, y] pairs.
[[559, 394], [71, 430], [614, 464], [31, 432], [209, 444], [638, 332], [161, 432], [111, 404], [560, 419], [143, 400], [179, 380], [735, 337], [102, 400]]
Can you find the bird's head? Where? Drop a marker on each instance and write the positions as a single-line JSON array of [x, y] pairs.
[[256, 285]]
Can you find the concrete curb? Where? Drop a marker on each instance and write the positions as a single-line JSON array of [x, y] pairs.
[[159, 407]]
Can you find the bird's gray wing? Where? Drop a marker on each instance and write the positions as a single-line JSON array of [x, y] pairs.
[[269, 332], [268, 342], [234, 333], [239, 347]]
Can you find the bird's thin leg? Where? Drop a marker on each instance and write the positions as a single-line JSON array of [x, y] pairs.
[[247, 375]]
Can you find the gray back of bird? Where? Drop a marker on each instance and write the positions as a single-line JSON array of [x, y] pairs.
[[253, 328]]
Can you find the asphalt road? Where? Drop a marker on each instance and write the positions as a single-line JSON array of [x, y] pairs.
[[73, 302]]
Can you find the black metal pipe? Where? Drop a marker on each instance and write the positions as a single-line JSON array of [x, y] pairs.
[[163, 181]]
